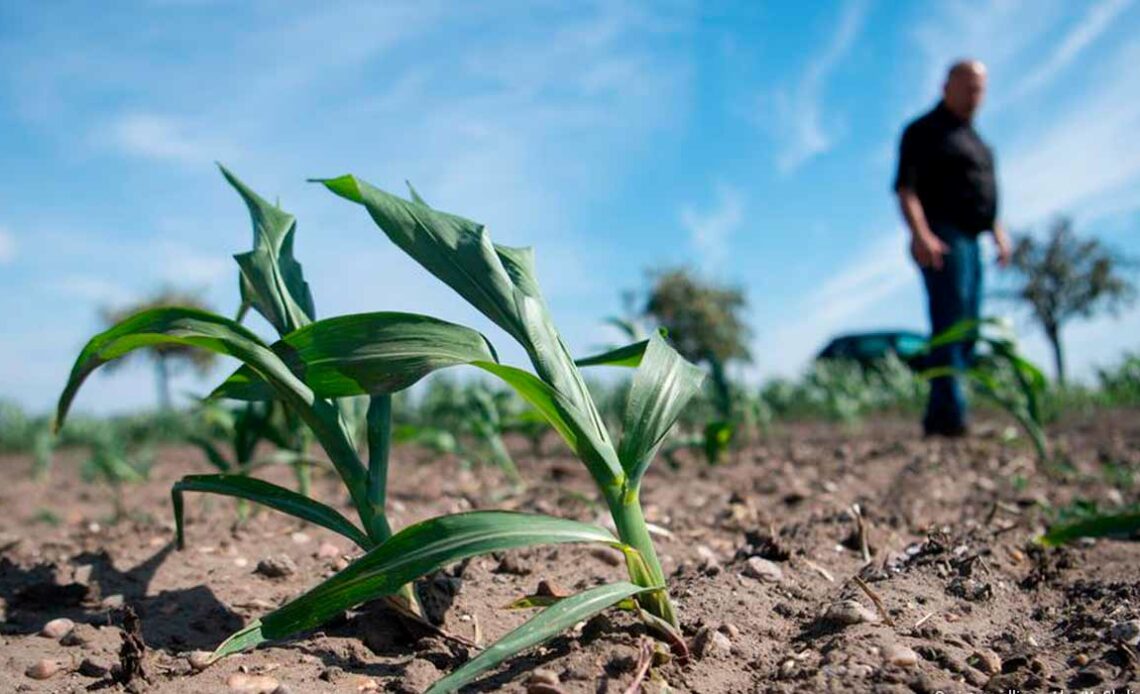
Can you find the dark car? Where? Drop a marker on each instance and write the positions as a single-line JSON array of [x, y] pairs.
[[868, 348]]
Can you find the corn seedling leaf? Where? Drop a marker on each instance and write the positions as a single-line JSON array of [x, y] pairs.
[[267, 494], [629, 355], [222, 336], [408, 555], [1123, 524], [500, 282], [271, 278], [544, 626], [662, 386]]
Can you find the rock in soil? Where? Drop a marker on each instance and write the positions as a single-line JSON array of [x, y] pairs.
[[547, 677], [848, 612], [607, 556], [710, 643], [199, 660], [43, 669], [94, 667], [58, 628], [418, 676], [900, 655], [1128, 632], [251, 684], [328, 550], [987, 661], [280, 566], [762, 570]]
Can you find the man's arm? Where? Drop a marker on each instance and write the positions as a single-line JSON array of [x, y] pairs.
[[926, 248], [1004, 249]]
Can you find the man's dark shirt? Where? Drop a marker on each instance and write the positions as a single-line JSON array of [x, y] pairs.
[[944, 161]]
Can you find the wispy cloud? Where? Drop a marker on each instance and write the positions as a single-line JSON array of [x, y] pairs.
[[979, 30], [803, 129], [1083, 153], [851, 299], [710, 231], [95, 290], [7, 246], [1079, 37], [153, 136]]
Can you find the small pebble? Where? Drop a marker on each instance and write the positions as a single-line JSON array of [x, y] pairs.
[[1127, 632], [711, 643], [543, 677], [43, 669], [199, 660], [241, 562], [300, 538], [94, 667], [1080, 660], [762, 570], [83, 574], [57, 628], [849, 612], [987, 661], [900, 655], [276, 567], [251, 684], [607, 556], [328, 550], [112, 602]]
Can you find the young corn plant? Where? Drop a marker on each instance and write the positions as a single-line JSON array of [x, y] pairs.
[[377, 354], [1000, 373]]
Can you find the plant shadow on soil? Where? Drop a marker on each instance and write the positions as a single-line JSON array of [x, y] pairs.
[[185, 619]]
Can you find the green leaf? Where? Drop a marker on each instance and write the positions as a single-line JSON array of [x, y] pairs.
[[267, 494], [629, 355], [1107, 525], [500, 282], [544, 626], [216, 458], [369, 353], [662, 386], [271, 278], [407, 555], [223, 336]]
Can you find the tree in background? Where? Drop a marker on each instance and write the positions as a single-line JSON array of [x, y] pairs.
[[704, 321], [166, 357], [1063, 277]]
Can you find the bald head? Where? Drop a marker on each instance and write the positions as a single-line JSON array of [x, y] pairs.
[[965, 88]]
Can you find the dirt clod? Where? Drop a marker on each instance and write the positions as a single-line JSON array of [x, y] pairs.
[[763, 570], [251, 684], [280, 566]]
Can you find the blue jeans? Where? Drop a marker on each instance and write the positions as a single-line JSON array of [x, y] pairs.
[[954, 293]]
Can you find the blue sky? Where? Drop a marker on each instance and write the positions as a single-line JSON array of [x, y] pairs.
[[755, 141]]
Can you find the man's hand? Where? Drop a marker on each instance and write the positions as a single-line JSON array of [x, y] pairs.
[[927, 250], [1004, 249]]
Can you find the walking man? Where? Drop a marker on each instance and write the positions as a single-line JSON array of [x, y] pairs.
[[947, 191]]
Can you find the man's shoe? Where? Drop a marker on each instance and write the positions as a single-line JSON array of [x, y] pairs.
[[953, 431]]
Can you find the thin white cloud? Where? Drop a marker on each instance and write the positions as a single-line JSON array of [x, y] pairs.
[[1086, 151], [803, 129], [710, 231], [95, 290], [854, 297], [979, 30], [1098, 19], [153, 136], [7, 246]]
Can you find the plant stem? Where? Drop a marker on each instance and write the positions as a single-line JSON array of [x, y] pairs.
[[379, 420], [625, 507]]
